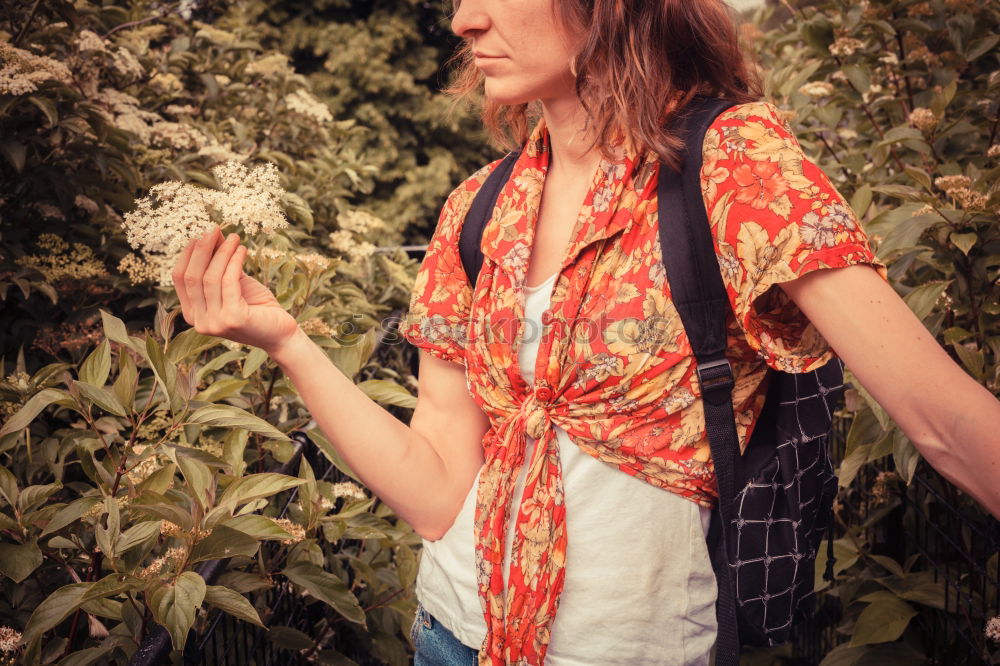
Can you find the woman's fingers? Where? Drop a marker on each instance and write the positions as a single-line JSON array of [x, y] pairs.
[[212, 281], [178, 277], [204, 247], [232, 294]]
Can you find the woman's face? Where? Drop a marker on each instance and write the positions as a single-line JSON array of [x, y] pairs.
[[531, 50]]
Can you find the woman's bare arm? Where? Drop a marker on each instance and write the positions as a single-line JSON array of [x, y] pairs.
[[422, 471], [952, 420]]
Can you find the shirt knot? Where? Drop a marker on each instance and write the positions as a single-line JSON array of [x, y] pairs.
[[534, 416]]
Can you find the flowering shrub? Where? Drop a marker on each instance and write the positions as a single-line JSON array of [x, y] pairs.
[[900, 104], [131, 452]]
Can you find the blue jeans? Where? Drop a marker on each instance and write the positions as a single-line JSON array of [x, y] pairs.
[[436, 646]]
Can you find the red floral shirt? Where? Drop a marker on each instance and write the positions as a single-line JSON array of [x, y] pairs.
[[615, 369]]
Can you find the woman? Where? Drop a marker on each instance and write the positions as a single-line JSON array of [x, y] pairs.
[[512, 466]]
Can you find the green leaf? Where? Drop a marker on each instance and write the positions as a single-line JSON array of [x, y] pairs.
[[234, 417], [233, 603], [254, 486], [87, 656], [224, 542], [165, 372], [882, 621], [69, 514], [253, 361], [972, 359], [137, 534], [922, 299], [327, 588], [964, 242], [904, 455], [18, 561], [188, 344], [15, 152], [46, 106], [257, 526], [861, 200], [174, 606], [126, 381], [97, 366], [981, 47], [114, 328], [54, 609], [290, 639], [198, 476], [388, 392], [32, 407], [102, 397], [33, 496]]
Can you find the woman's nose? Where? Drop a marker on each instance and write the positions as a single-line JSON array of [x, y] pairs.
[[469, 18]]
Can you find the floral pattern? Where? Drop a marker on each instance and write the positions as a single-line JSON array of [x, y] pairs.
[[615, 369]]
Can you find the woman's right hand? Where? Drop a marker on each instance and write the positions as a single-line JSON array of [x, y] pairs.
[[218, 298]]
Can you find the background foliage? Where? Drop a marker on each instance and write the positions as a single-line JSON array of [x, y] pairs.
[[129, 451]]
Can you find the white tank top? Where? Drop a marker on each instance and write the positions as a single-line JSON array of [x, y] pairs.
[[639, 586]]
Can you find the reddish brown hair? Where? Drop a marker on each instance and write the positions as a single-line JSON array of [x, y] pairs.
[[636, 57]]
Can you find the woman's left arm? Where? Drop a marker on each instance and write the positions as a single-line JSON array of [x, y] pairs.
[[952, 420]]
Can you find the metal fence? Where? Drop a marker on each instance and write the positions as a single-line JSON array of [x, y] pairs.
[[949, 536]]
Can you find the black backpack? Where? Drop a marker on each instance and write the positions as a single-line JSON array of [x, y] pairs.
[[776, 520]]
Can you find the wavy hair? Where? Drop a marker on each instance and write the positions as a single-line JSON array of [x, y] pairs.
[[640, 63]]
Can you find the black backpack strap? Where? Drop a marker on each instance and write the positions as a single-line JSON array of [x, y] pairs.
[[699, 294], [480, 212]]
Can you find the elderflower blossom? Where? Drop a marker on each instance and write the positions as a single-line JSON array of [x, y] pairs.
[[993, 629], [952, 183], [312, 262], [249, 198], [61, 261], [177, 135], [348, 489], [90, 41], [923, 119], [22, 71], [845, 46], [302, 102], [317, 327], [359, 221], [10, 639], [169, 529], [817, 89], [125, 63], [343, 241], [151, 268], [172, 558], [994, 150], [297, 532], [276, 63]]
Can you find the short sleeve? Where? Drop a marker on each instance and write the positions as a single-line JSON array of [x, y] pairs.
[[441, 299], [775, 216]]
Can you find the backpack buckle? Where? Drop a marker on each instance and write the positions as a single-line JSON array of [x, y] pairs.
[[715, 375]]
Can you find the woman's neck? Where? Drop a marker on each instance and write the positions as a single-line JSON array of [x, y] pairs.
[[572, 155]]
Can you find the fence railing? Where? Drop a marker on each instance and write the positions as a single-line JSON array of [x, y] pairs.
[[931, 521]]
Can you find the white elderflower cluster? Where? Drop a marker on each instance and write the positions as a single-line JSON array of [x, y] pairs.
[[177, 135], [276, 63], [21, 71], [816, 89], [845, 46], [312, 262], [125, 63], [348, 489], [10, 639], [343, 241], [90, 41], [173, 213], [359, 221], [304, 103], [993, 629], [923, 119]]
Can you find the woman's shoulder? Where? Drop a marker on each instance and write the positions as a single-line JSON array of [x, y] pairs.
[[460, 199], [756, 111]]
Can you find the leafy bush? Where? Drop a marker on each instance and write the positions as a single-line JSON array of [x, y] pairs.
[[131, 453], [898, 102]]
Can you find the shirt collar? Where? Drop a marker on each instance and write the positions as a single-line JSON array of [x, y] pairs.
[[611, 203]]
